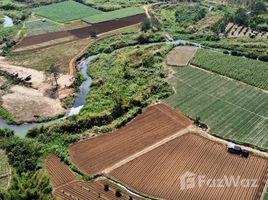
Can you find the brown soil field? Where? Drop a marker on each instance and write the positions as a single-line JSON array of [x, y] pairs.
[[66, 186], [154, 124], [81, 33], [158, 172], [181, 55]]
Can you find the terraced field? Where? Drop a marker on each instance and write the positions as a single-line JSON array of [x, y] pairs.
[[4, 171], [232, 110]]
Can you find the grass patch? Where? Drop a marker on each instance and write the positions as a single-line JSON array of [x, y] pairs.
[[249, 71], [65, 11], [232, 110], [117, 14], [43, 59], [38, 27]]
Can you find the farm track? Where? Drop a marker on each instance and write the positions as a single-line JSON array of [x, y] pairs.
[[67, 186], [152, 126], [157, 173]]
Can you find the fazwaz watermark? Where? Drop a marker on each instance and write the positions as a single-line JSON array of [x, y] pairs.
[[191, 180]]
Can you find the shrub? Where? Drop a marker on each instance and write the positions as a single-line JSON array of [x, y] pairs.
[[106, 187], [264, 58], [118, 193]]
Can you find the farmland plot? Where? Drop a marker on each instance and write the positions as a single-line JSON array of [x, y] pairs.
[[113, 15], [38, 27], [154, 124], [65, 11], [232, 110], [252, 72], [66, 186], [160, 173]]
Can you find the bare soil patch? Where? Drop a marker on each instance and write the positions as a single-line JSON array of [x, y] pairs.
[[28, 104], [158, 172], [67, 186], [181, 55], [154, 124]]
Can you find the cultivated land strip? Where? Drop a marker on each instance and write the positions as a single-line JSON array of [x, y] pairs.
[[232, 110], [144, 151]]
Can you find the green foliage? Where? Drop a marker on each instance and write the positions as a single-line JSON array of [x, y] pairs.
[[65, 11], [6, 116], [116, 4], [23, 154], [189, 14], [6, 133], [250, 71], [112, 15], [258, 8], [146, 25], [29, 186], [112, 43], [241, 17], [232, 110]]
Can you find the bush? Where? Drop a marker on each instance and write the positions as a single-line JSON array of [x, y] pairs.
[[106, 187], [264, 58], [118, 193]]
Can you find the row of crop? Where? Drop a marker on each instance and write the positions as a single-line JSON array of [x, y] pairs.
[[252, 72], [232, 110]]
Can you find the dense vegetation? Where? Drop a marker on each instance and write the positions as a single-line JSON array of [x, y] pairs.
[[249, 71], [231, 110], [112, 43], [123, 83], [26, 156]]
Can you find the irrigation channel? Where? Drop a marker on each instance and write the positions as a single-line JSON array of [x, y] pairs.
[[21, 130]]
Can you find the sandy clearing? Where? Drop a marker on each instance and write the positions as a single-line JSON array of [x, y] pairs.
[[181, 55], [25, 104], [28, 104]]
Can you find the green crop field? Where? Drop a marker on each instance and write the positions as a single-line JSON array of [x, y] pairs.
[[247, 70], [38, 27], [65, 11], [4, 168], [232, 110], [117, 14]]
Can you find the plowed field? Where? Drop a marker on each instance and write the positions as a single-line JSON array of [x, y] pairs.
[[66, 186], [158, 172], [156, 123]]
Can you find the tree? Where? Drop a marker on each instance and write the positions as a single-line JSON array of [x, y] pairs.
[[54, 72], [93, 33], [146, 25], [258, 8], [241, 17]]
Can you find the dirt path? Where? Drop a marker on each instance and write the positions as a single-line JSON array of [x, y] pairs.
[[146, 150]]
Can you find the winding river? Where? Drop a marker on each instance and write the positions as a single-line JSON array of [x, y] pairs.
[[21, 130]]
